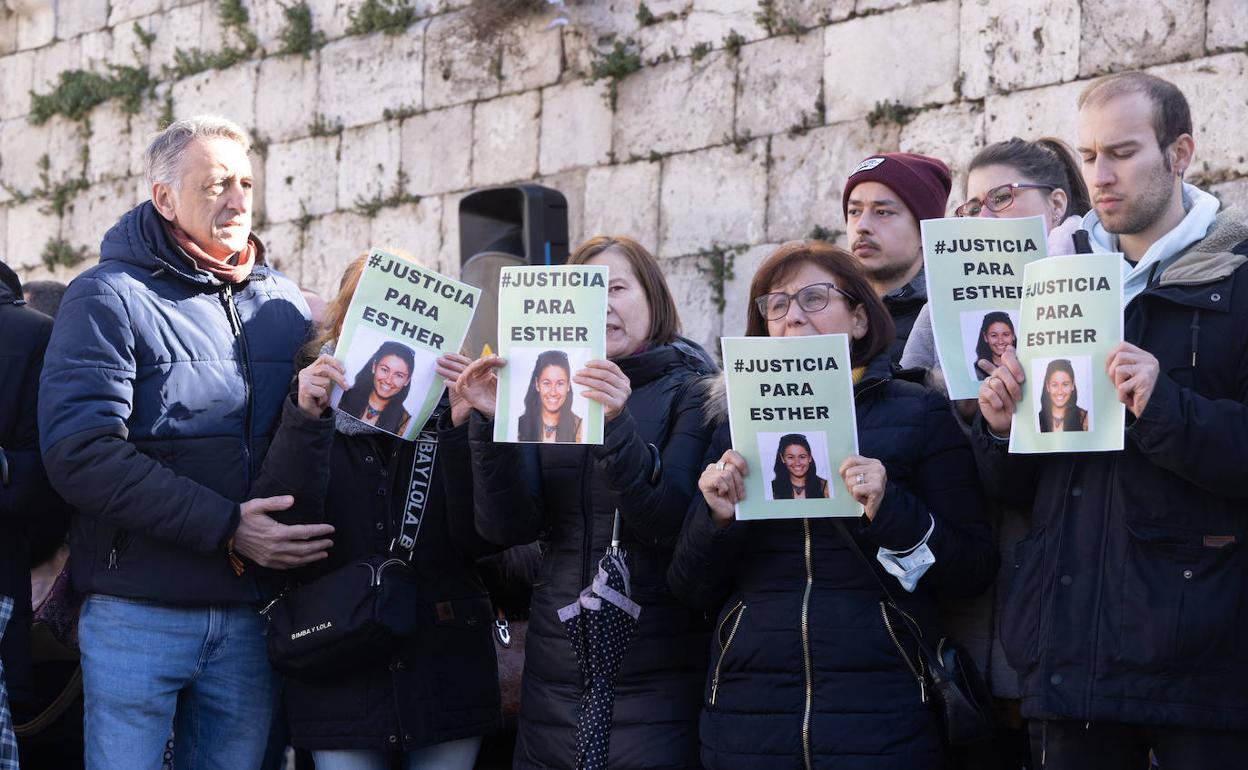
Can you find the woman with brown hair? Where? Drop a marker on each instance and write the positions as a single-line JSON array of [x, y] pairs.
[[567, 496], [807, 668]]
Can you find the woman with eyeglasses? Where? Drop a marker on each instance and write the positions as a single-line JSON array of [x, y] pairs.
[[1010, 179], [805, 671]]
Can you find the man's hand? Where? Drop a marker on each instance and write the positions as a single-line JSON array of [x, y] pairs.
[[272, 544], [449, 367], [1000, 393], [1134, 372], [315, 381]]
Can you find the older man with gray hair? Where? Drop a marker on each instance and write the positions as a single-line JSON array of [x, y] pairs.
[[163, 383]]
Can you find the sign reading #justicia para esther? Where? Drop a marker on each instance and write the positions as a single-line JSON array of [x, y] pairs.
[[974, 270], [1072, 318], [791, 414], [402, 316], [552, 320]]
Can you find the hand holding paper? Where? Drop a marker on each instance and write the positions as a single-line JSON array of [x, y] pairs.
[[605, 384], [314, 384], [1134, 372], [866, 479], [723, 486], [1000, 394], [478, 384], [449, 367]]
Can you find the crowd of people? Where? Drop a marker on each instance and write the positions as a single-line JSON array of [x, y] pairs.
[[176, 417]]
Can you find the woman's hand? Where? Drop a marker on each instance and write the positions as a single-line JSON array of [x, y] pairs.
[[478, 384], [866, 479], [1000, 393], [723, 486], [450, 366], [605, 384], [314, 384]]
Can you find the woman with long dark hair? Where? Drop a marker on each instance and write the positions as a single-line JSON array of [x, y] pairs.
[[808, 669], [1059, 400], [996, 335], [548, 415], [797, 477], [380, 388]]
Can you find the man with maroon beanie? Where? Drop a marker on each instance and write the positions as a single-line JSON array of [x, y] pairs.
[[885, 198]]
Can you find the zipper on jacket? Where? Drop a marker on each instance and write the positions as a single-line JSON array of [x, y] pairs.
[[810, 578], [244, 362], [739, 609], [118, 547], [917, 671]]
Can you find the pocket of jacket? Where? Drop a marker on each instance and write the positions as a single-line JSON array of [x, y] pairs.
[[1180, 597], [725, 632], [1023, 604]]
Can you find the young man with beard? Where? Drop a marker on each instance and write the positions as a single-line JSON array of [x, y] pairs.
[[884, 200], [1126, 613]]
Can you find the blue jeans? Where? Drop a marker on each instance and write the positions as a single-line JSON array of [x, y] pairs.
[[452, 755], [147, 667]]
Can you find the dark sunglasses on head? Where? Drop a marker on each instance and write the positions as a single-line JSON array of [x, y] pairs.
[[811, 299], [997, 199]]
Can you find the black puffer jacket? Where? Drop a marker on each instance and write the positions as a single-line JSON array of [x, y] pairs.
[[26, 495], [803, 671], [574, 491], [443, 684], [1129, 598]]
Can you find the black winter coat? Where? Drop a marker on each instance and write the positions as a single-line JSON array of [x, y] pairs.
[[1129, 599], [573, 492], [441, 685], [160, 391], [803, 672], [24, 336]]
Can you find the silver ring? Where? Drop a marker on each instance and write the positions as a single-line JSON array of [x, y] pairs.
[[862, 478], [719, 466]]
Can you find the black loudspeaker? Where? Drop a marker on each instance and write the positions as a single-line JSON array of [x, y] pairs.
[[524, 224]]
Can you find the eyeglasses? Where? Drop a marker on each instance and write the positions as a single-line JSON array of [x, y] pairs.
[[997, 199], [811, 299]]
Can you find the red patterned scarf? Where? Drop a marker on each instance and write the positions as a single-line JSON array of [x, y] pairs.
[[223, 269]]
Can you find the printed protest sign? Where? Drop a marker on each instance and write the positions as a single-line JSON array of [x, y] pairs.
[[974, 270], [551, 321], [1071, 319], [791, 413], [401, 318]]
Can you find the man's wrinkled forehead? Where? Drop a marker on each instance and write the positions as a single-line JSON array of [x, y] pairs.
[[1124, 118]]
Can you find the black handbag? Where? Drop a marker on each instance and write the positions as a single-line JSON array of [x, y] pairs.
[[359, 613], [946, 675]]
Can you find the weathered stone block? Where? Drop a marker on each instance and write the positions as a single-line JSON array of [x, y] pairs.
[[1216, 87], [332, 17], [855, 81], [1031, 114], [713, 196], [283, 242], [97, 51], [362, 77], [36, 24], [448, 254], [876, 6], [77, 17], [229, 92], [576, 127], [457, 69], [815, 13], [532, 54], [17, 74], [1233, 193], [624, 200], [127, 10], [1227, 22], [127, 48], [954, 134], [1007, 46], [21, 146], [700, 93], [437, 150], [368, 166], [285, 96], [504, 139], [178, 29], [572, 185], [110, 143], [700, 319], [8, 30], [1125, 35], [699, 22], [52, 60], [298, 175], [415, 229], [146, 123], [29, 230], [330, 243], [737, 291], [93, 211], [780, 84], [808, 173]]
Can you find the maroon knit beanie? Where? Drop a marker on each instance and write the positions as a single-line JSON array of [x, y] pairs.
[[921, 182]]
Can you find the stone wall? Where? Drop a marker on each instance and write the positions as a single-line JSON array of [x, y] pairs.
[[734, 135]]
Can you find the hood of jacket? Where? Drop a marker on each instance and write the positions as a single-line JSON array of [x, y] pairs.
[[10, 286], [139, 238], [1211, 258]]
